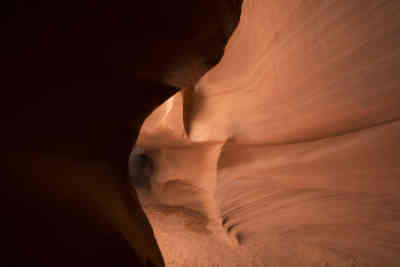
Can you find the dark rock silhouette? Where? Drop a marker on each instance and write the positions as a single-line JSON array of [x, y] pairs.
[[78, 80]]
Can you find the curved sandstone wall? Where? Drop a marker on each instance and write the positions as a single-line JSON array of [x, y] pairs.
[[286, 153]]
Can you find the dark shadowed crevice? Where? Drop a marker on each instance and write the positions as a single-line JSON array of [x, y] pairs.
[[81, 77]]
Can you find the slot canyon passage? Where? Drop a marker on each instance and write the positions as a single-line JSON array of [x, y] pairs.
[[287, 152], [284, 153]]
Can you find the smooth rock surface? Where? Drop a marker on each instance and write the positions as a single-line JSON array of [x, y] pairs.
[[287, 152]]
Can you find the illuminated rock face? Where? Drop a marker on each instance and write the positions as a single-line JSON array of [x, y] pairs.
[[287, 152]]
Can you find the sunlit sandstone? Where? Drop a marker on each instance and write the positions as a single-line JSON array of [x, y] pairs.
[[287, 152]]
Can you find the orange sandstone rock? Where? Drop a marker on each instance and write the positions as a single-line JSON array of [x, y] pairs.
[[286, 153]]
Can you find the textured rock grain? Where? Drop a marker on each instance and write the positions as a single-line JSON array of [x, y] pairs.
[[288, 148]]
